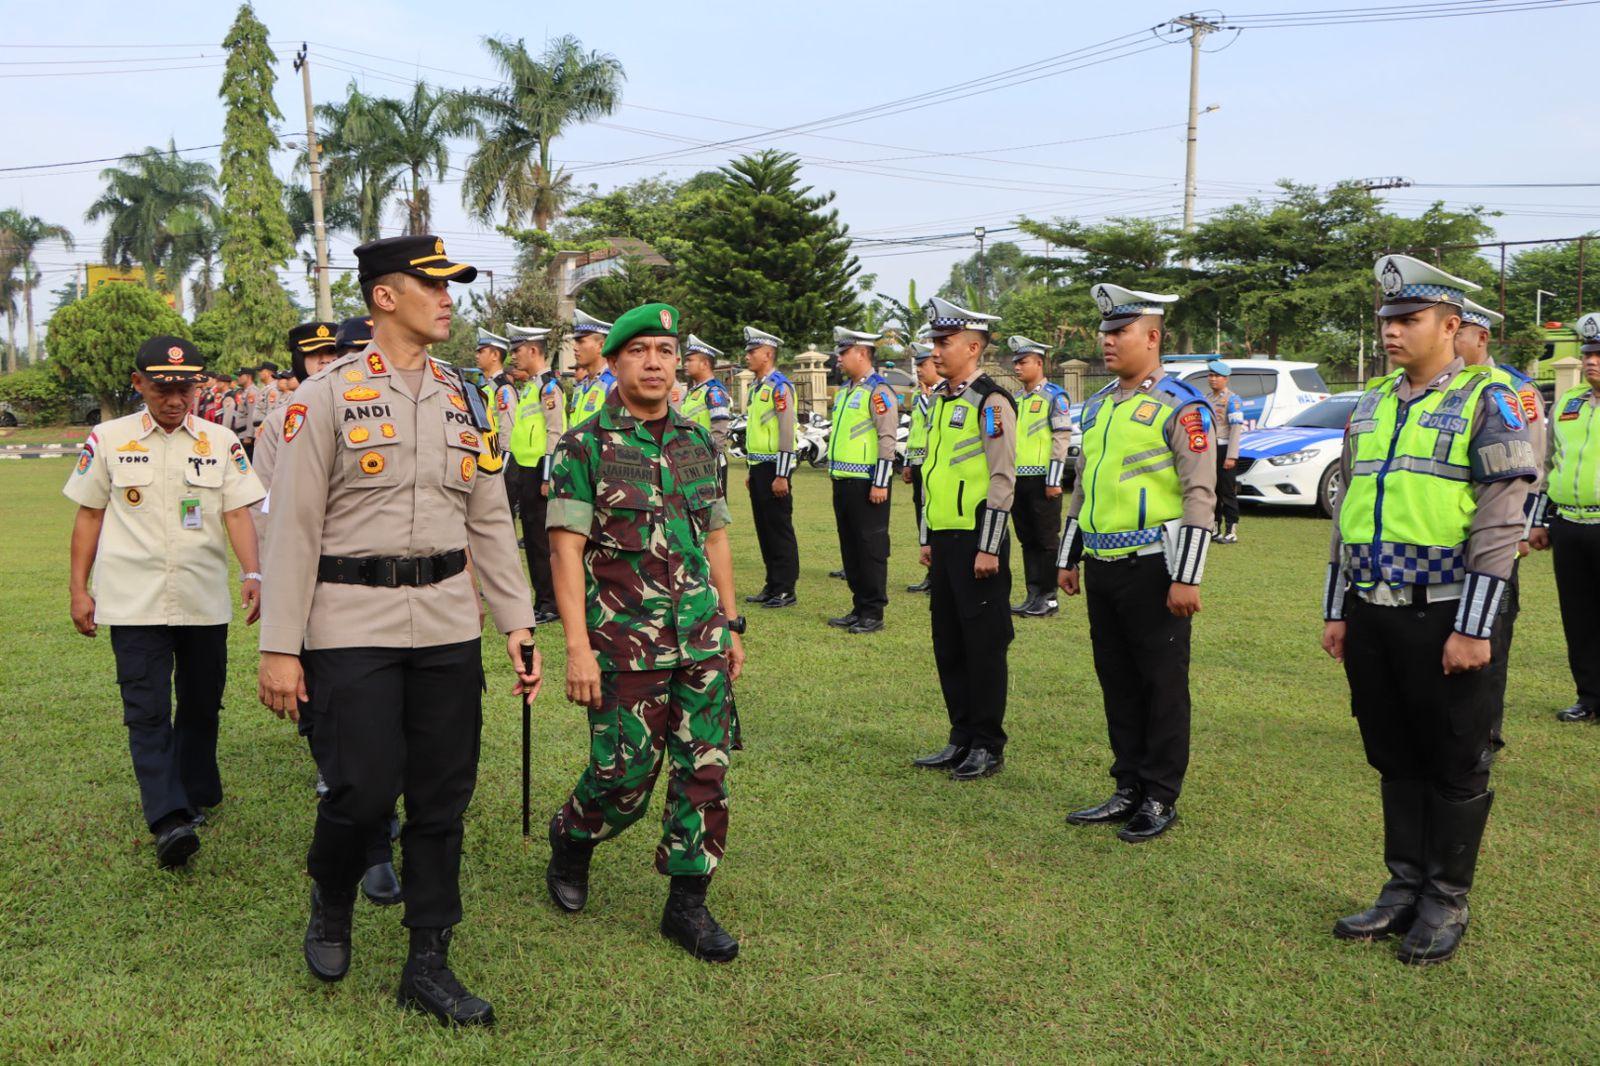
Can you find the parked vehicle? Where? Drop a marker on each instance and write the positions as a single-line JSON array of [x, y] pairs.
[[1297, 465]]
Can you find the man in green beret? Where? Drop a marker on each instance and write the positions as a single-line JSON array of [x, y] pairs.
[[644, 583]]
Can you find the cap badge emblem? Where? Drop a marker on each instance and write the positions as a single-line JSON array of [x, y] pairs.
[[1390, 279]]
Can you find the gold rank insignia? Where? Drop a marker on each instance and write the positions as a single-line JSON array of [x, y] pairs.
[[359, 434], [386, 429], [202, 446], [352, 375], [371, 463], [132, 446], [469, 439], [457, 402], [438, 247], [361, 392], [1146, 411], [438, 375], [469, 467], [322, 331], [376, 364]]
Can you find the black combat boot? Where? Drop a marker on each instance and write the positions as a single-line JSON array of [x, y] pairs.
[[1404, 822], [327, 944], [687, 921], [924, 585], [1455, 831], [567, 876], [427, 984], [381, 884]]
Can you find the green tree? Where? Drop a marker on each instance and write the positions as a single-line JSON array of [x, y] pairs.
[[512, 172], [1002, 270], [20, 235], [360, 160], [1062, 317], [1554, 269], [160, 209], [768, 253], [422, 126], [209, 331], [654, 210], [10, 303], [635, 282], [40, 393], [257, 242], [96, 338]]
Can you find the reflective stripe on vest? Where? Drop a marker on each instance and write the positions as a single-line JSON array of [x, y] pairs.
[[590, 400], [761, 424], [853, 437], [1575, 473], [694, 406], [1408, 508], [1033, 433], [1130, 476], [955, 479], [528, 432], [917, 435]]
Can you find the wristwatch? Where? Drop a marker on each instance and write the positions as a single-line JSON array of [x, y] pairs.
[[737, 624], [251, 576]]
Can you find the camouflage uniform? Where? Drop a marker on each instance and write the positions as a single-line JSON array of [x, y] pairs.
[[657, 630]]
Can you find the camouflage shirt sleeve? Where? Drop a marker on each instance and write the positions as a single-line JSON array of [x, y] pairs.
[[572, 485]]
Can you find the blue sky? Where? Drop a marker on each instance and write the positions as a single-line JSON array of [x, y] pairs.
[[1498, 98]]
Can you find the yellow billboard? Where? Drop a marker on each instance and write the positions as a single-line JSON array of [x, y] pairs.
[[99, 274]]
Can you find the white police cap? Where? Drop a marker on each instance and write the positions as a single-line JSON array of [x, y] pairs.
[[525, 334], [1477, 315], [1021, 347], [582, 323], [1410, 285], [492, 340], [1588, 330], [755, 338], [920, 351], [945, 318], [849, 338], [695, 344], [1119, 306]]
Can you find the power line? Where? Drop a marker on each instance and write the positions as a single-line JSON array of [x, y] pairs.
[[107, 159], [93, 73]]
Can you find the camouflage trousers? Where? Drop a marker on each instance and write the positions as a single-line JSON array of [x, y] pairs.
[[681, 714]]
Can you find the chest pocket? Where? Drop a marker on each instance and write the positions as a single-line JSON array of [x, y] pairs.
[[128, 475], [622, 514], [203, 472], [464, 446], [369, 459]]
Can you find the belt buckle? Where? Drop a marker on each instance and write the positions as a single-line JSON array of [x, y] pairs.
[[388, 572]]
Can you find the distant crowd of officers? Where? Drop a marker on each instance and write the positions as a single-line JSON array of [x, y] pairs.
[[381, 500]]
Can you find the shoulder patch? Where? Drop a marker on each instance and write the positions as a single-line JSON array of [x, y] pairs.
[[1530, 403], [293, 419], [991, 421], [1507, 405], [879, 404]]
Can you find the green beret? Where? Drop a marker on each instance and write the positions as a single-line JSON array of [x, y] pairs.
[[650, 320]]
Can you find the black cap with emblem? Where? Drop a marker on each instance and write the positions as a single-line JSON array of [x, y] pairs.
[[170, 360], [354, 333], [421, 256], [309, 338]]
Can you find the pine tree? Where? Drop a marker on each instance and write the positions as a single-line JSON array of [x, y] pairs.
[[259, 241], [767, 254]]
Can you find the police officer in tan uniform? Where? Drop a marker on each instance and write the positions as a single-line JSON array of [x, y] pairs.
[[311, 347], [158, 492], [371, 610]]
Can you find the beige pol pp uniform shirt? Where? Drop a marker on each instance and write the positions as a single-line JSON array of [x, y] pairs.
[[366, 469], [162, 557]]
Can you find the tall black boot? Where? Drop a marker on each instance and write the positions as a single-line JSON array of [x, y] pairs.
[[1404, 822], [687, 921], [427, 983], [327, 942], [1455, 832], [567, 876]]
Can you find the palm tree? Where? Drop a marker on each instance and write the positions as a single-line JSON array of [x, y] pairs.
[[144, 198], [10, 288], [359, 155], [196, 240], [20, 234], [422, 126], [517, 123]]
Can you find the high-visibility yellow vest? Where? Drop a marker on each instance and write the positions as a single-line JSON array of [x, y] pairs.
[[1575, 474], [1130, 474], [917, 433], [591, 397], [761, 418], [853, 436], [1034, 411], [529, 433], [696, 406], [955, 477]]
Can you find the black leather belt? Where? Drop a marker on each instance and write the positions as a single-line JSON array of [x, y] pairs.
[[391, 571]]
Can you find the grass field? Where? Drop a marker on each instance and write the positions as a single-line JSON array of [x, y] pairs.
[[42, 434], [885, 913]]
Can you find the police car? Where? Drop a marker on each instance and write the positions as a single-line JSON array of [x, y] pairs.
[[1273, 391], [1297, 464]]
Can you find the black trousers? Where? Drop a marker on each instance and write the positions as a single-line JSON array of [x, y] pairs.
[[174, 754], [1500, 665], [509, 472], [774, 522], [971, 634], [392, 722], [1141, 657], [1227, 490], [533, 505], [1037, 519], [863, 544], [1577, 566], [1417, 722], [916, 497]]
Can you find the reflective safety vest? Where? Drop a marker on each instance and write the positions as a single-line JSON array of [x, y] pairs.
[[530, 431], [955, 477], [853, 436], [591, 397], [1130, 475], [696, 406], [1575, 473], [773, 395], [493, 460], [1407, 511], [1034, 410], [917, 434]]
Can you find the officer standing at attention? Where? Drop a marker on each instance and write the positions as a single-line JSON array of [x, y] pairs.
[[969, 481], [157, 492], [928, 386], [590, 392], [861, 440], [372, 612], [1567, 519], [500, 396], [540, 421], [769, 451], [707, 403], [243, 402], [1044, 433], [1141, 513], [1472, 345], [265, 398], [1227, 415], [644, 576], [311, 347], [1437, 465]]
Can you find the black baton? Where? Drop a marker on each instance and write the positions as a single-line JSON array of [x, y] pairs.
[[527, 732]]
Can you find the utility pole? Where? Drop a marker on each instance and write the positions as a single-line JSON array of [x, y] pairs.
[[319, 231], [983, 271], [1198, 29]]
